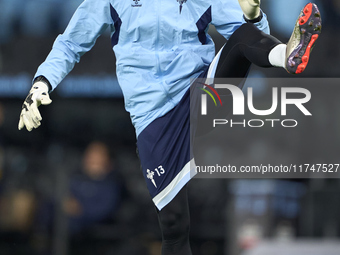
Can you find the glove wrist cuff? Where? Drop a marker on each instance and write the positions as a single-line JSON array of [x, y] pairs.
[[258, 19], [44, 80]]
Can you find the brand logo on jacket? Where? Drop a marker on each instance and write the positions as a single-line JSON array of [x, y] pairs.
[[136, 3]]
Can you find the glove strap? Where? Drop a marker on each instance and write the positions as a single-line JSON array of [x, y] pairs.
[[44, 80], [258, 19]]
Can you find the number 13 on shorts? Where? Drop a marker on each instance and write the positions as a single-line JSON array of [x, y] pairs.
[[159, 170]]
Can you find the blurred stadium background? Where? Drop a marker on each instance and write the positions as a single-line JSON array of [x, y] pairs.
[[57, 182]]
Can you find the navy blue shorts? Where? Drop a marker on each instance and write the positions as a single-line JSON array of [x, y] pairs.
[[164, 151]]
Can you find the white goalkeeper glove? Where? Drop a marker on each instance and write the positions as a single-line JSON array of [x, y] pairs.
[[30, 115], [251, 8]]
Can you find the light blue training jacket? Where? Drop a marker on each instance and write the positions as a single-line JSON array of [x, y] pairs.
[[160, 45]]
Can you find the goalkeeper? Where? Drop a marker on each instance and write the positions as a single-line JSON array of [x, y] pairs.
[[160, 47]]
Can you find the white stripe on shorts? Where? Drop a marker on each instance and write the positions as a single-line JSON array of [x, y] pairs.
[[183, 177]]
